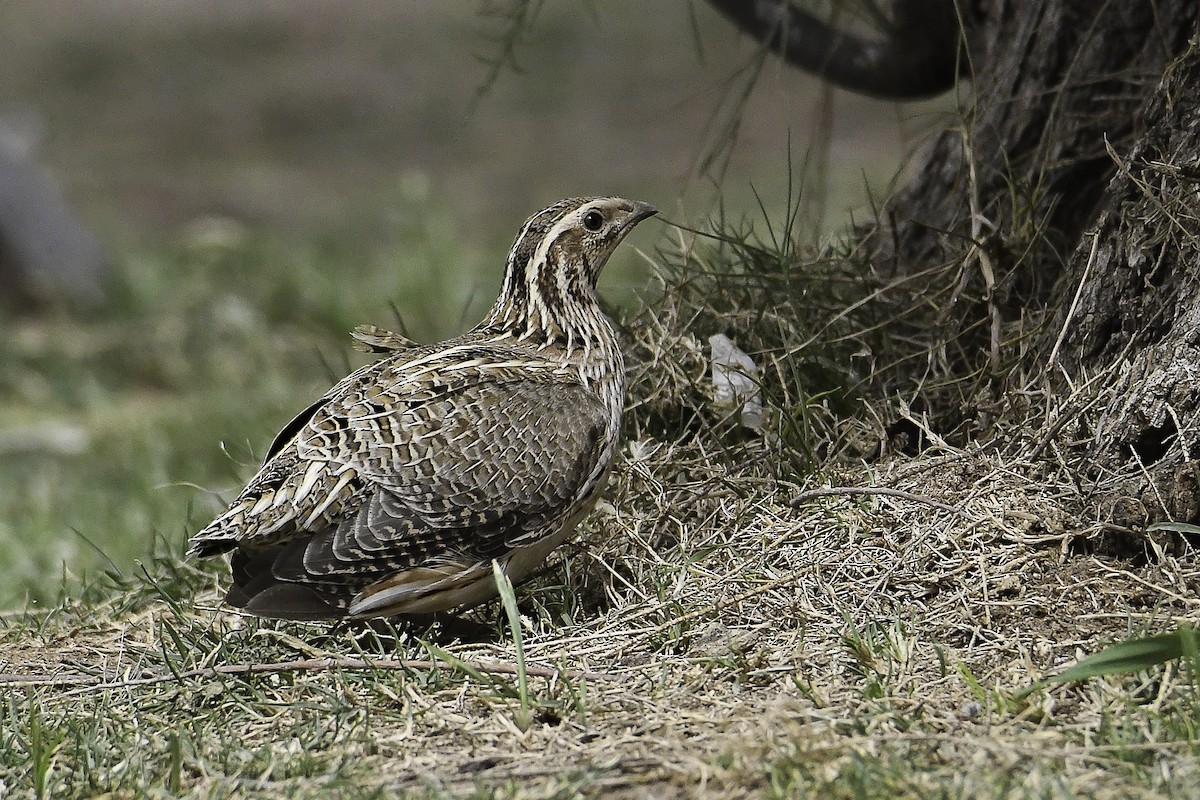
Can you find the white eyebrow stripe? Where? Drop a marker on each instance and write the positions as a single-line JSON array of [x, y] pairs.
[[567, 222]]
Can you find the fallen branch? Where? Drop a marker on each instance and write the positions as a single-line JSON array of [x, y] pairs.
[[87, 683]]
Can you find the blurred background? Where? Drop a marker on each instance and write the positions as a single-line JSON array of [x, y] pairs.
[[264, 176]]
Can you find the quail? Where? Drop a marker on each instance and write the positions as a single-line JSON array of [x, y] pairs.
[[395, 492]]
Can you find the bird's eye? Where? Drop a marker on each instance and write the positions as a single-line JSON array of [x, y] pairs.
[[593, 220]]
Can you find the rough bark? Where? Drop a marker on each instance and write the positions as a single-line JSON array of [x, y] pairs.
[[1135, 314], [1066, 197], [1054, 84]]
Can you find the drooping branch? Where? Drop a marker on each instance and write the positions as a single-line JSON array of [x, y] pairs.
[[919, 56]]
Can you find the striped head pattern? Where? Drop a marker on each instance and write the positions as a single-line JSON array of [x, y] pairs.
[[549, 290]]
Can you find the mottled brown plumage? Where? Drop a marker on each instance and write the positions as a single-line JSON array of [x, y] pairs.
[[394, 492]]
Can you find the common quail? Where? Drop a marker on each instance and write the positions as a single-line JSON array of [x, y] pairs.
[[394, 492]]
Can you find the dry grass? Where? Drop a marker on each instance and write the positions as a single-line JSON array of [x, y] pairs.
[[743, 641]]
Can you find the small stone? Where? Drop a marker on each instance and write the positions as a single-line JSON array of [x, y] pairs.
[[970, 710]]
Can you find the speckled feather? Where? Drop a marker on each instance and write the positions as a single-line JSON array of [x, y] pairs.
[[395, 491]]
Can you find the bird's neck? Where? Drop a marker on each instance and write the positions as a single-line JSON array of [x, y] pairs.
[[537, 309], [578, 329]]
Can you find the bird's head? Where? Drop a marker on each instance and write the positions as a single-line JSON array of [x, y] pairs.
[[555, 260]]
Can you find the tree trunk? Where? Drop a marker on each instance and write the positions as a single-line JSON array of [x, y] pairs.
[[1136, 320], [1056, 234]]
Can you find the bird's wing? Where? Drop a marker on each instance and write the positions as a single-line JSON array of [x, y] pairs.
[[453, 462]]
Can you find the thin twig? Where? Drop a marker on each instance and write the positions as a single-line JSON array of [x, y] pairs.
[[834, 491], [1062, 333], [93, 683]]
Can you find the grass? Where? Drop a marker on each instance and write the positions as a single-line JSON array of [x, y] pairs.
[[703, 637]]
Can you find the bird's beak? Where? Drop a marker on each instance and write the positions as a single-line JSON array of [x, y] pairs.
[[641, 211]]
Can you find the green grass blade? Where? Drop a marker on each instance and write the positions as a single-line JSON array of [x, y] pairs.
[[1132, 655], [508, 599]]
